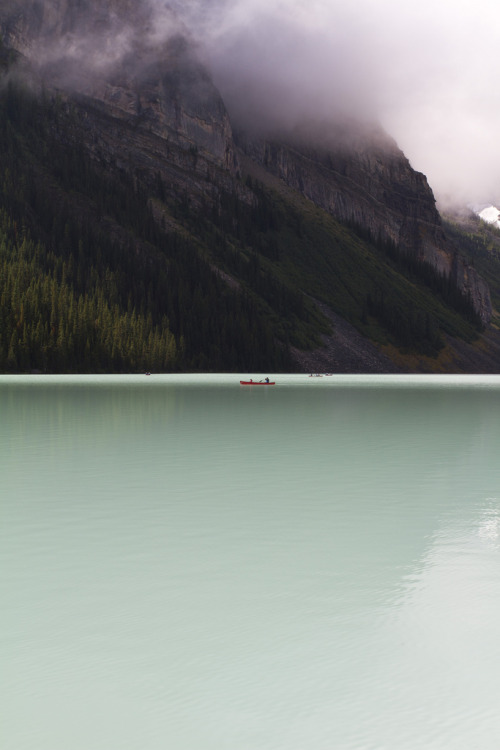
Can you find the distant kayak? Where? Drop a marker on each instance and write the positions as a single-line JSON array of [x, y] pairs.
[[255, 382]]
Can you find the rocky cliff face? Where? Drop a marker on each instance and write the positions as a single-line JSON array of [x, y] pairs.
[[53, 28], [151, 104], [172, 98], [359, 175], [87, 49]]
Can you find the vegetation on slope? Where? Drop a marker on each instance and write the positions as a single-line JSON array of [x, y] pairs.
[[89, 281], [388, 297]]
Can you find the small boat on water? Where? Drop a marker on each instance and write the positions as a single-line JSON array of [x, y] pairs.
[[256, 382]]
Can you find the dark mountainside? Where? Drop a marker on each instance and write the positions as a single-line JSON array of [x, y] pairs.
[[140, 231]]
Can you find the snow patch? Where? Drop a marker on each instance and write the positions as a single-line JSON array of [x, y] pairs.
[[488, 213]]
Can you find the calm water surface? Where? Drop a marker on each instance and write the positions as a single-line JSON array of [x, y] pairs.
[[194, 565]]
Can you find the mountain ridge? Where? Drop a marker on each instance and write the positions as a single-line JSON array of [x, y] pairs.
[[161, 120]]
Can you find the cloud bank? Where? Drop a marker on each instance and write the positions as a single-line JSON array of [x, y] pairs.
[[426, 70]]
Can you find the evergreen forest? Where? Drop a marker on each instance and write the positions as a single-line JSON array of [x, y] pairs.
[[92, 280]]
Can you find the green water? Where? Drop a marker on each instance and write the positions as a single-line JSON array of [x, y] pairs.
[[190, 564]]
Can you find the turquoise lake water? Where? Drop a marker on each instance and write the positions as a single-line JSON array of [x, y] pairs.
[[189, 564]]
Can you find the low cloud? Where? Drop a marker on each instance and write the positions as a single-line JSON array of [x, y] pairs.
[[425, 70]]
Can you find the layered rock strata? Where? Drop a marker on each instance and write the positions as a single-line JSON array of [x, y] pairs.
[[149, 103], [361, 177]]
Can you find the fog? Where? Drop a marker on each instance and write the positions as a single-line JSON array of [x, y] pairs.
[[425, 69]]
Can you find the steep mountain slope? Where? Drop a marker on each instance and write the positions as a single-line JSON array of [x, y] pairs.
[[323, 247], [357, 173]]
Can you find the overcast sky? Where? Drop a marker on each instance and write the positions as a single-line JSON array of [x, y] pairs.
[[427, 69]]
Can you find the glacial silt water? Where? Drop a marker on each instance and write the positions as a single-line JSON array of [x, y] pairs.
[[190, 564]]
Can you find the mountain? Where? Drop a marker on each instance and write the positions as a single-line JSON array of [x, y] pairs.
[[163, 237], [488, 213]]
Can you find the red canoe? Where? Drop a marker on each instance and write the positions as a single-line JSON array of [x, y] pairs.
[[255, 382]]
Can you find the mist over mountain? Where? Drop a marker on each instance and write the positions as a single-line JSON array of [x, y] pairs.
[[424, 71], [249, 135]]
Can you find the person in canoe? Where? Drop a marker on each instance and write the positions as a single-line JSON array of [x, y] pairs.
[[267, 380]]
